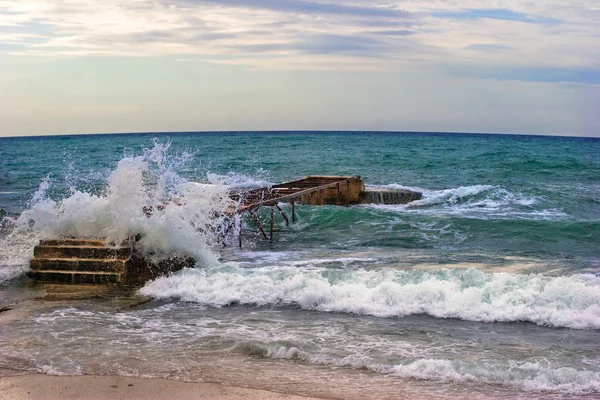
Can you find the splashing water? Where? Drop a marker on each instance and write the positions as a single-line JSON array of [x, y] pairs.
[[184, 224]]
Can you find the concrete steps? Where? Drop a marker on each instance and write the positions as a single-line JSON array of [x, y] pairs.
[[79, 261], [77, 265], [85, 252], [91, 261], [79, 277], [95, 242]]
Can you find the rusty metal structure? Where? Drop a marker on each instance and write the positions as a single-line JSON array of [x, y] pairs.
[[313, 190]]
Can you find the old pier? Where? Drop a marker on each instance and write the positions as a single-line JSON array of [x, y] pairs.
[[313, 190], [92, 261]]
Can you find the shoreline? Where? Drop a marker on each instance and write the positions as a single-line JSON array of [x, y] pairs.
[[95, 387]]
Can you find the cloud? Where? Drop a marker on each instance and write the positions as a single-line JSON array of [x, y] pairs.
[[533, 74], [359, 46], [488, 47], [396, 32], [343, 34], [498, 14], [309, 7]]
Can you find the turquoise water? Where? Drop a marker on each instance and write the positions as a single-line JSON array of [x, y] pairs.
[[489, 284]]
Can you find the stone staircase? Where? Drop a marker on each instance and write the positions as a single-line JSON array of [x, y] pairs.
[[79, 261], [91, 261]]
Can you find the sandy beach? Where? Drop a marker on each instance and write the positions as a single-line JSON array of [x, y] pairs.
[[47, 387]]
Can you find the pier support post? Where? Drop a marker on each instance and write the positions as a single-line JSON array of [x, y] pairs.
[[293, 201], [272, 220], [287, 221], [258, 224]]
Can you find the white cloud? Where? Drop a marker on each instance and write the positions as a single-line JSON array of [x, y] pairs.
[[310, 34]]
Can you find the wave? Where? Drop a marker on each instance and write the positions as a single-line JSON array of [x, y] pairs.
[[467, 294], [8, 273], [529, 376], [476, 201], [185, 223]]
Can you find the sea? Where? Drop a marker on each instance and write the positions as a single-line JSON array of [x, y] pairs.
[[486, 288]]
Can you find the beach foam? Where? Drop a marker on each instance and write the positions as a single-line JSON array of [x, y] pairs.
[[529, 376]]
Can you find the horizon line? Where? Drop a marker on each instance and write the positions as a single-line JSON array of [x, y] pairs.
[[298, 131]]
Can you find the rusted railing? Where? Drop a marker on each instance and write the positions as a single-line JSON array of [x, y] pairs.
[[311, 188]]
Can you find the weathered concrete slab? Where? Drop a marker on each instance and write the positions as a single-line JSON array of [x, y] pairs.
[[317, 190], [386, 196], [342, 194]]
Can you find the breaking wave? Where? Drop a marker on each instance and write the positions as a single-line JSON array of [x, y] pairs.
[[477, 201], [467, 294], [144, 195]]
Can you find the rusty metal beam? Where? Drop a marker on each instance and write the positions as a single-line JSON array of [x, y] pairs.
[[272, 220], [287, 221], [258, 224]]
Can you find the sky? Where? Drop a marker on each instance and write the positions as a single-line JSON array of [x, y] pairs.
[[501, 66]]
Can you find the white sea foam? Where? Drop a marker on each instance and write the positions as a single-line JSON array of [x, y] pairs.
[[538, 376], [11, 271], [65, 368], [478, 201], [468, 294], [184, 224], [345, 261], [395, 186]]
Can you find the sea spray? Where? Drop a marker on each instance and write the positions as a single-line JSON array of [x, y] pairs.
[[143, 196], [468, 294]]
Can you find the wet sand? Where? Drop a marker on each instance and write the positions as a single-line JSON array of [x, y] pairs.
[[47, 387], [38, 298]]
